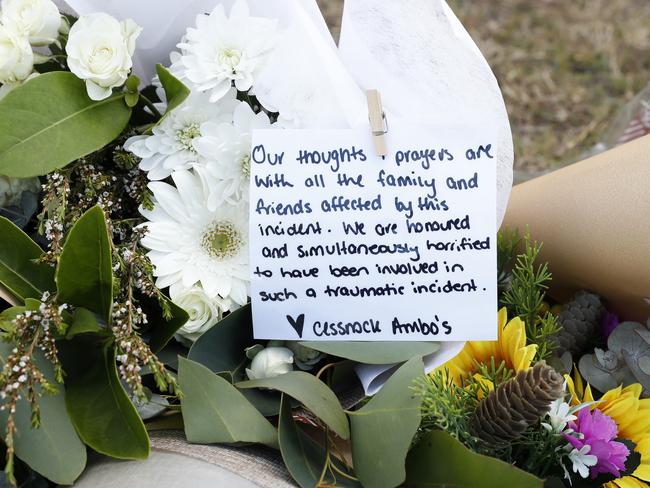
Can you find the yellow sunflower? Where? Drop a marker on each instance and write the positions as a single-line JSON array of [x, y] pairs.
[[510, 347], [632, 416]]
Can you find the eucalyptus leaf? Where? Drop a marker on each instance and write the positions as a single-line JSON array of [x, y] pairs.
[[312, 393], [223, 347], [375, 352], [175, 91], [54, 449], [101, 410], [50, 121], [382, 431], [304, 457], [84, 275], [20, 275], [441, 461], [215, 412]]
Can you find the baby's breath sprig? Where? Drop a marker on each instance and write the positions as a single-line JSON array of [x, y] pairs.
[[32, 331]]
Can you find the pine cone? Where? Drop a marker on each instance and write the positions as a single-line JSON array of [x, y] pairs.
[[517, 404], [581, 321]]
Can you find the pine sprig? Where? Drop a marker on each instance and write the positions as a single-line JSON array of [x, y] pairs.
[[525, 298]]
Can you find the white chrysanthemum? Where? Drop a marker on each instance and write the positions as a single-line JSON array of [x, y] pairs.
[[227, 147], [189, 244], [222, 50], [170, 147]]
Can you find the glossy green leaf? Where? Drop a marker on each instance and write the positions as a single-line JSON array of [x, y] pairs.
[[304, 457], [102, 412], [54, 449], [312, 393], [215, 412], [222, 348], [19, 274], [441, 461], [382, 431], [84, 276], [175, 91], [375, 352], [162, 329], [50, 121], [83, 322]]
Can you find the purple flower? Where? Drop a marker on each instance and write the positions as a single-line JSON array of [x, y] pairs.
[[609, 324], [598, 431]]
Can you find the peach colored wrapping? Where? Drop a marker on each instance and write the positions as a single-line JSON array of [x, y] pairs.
[[594, 220]]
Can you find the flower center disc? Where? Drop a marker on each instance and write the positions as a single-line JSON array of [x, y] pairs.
[[187, 134], [222, 240], [230, 58], [246, 166]]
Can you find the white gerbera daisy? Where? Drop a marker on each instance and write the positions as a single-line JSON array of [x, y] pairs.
[[227, 147], [190, 244], [170, 147], [222, 50]]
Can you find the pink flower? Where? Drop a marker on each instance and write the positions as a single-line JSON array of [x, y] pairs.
[[598, 431]]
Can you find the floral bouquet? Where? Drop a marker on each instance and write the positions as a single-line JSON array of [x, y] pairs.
[[125, 284]]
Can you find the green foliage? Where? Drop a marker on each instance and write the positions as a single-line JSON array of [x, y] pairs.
[[439, 460], [100, 409], [222, 348], [20, 273], [525, 298], [50, 122], [309, 463], [383, 430], [375, 352], [175, 91], [54, 449], [312, 393], [215, 412], [84, 275], [507, 243]]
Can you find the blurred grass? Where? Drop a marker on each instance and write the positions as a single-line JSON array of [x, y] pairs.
[[565, 66]]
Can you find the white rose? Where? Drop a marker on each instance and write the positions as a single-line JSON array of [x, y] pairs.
[[39, 20], [99, 51], [16, 56], [271, 362], [204, 311]]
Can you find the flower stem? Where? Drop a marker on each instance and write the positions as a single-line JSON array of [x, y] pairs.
[[149, 104]]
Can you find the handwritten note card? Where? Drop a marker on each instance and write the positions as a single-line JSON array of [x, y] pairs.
[[348, 246]]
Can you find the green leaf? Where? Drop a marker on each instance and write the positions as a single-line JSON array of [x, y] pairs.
[[312, 393], [375, 352], [175, 91], [83, 322], [54, 449], [102, 412], [50, 121], [19, 273], [441, 461], [304, 457], [84, 276], [382, 431], [222, 348], [162, 329], [215, 412], [131, 99]]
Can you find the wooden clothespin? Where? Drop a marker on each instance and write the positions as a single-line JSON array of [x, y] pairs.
[[378, 123]]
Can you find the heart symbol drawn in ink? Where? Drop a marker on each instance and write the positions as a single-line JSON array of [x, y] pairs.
[[297, 324]]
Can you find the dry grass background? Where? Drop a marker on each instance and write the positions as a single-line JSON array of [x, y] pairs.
[[565, 66]]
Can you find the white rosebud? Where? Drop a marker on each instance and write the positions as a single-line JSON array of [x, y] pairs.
[[204, 311], [16, 56], [271, 362], [100, 50], [39, 20], [12, 189]]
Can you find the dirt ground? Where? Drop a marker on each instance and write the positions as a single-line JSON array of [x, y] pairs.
[[565, 66]]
